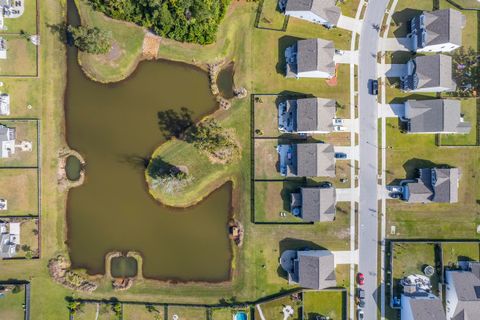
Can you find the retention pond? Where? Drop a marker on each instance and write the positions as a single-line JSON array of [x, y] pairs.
[[116, 128]]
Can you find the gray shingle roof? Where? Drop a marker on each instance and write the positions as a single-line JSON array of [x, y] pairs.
[[434, 71], [444, 26], [315, 55], [318, 204], [314, 114], [427, 309], [316, 269], [5, 133], [325, 9], [315, 160], [437, 115], [467, 287], [444, 188]]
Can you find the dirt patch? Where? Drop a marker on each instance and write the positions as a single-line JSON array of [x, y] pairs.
[[115, 52], [151, 44]]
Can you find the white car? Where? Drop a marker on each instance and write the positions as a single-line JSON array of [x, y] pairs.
[[337, 122], [339, 128]]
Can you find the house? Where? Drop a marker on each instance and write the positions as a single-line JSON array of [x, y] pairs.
[[9, 239], [323, 12], [4, 104], [437, 31], [306, 160], [311, 58], [7, 141], [3, 48], [313, 269], [309, 115], [434, 185], [421, 306], [463, 293], [314, 204], [435, 116], [429, 74]]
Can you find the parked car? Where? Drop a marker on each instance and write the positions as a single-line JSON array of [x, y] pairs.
[[361, 297], [339, 128], [326, 184], [360, 278], [360, 314], [374, 87], [395, 195], [395, 188], [338, 122], [340, 155]]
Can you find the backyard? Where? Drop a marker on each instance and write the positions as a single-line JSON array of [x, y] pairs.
[[27, 22], [273, 309], [20, 188], [21, 57], [453, 252], [142, 312], [28, 238], [327, 303], [12, 302], [24, 97], [186, 313], [25, 130], [470, 110]]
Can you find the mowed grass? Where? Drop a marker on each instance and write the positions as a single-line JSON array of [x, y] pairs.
[[140, 312], [20, 188], [11, 305], [126, 52], [28, 238], [225, 313], [273, 310], [469, 109], [88, 311], [271, 17], [412, 258], [324, 303], [434, 220], [23, 93], [455, 252], [404, 12], [27, 22], [25, 130], [470, 31], [21, 57], [187, 313]]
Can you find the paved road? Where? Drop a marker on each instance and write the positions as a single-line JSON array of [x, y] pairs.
[[368, 144]]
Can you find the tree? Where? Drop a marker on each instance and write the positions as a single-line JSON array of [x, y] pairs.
[[90, 39]]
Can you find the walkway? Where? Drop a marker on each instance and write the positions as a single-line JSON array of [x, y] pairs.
[[396, 44], [368, 140], [350, 24]]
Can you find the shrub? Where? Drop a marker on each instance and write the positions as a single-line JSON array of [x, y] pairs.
[[90, 39]]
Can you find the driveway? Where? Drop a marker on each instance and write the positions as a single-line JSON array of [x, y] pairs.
[[397, 44], [345, 257], [391, 110], [350, 24], [392, 70], [348, 150], [346, 194], [345, 56]]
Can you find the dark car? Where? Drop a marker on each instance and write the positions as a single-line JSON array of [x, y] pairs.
[[395, 195], [361, 297], [326, 184], [360, 315], [374, 87], [340, 155]]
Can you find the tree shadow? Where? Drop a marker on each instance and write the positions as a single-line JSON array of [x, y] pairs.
[[60, 29], [411, 166], [401, 19], [136, 161], [173, 123], [400, 57], [159, 167], [283, 43], [415, 96]]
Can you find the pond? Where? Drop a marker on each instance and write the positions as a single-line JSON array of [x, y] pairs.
[[73, 168], [225, 81], [116, 128], [123, 267]]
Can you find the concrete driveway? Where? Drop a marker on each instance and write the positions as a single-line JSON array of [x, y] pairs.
[[348, 150], [345, 56], [345, 257], [392, 70], [350, 24], [346, 194], [397, 44], [391, 110]]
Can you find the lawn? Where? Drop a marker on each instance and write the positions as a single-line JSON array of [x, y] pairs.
[[126, 49], [26, 22], [271, 17], [349, 7], [28, 238], [20, 188], [435, 220], [141, 312], [412, 258], [470, 31], [474, 4], [404, 11], [469, 109], [187, 313], [21, 57], [222, 314], [266, 158], [455, 252], [324, 303], [273, 310], [26, 130], [89, 311], [11, 305], [23, 93]]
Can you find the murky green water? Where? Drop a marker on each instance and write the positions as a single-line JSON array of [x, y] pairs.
[[122, 267], [116, 128], [225, 81], [73, 167]]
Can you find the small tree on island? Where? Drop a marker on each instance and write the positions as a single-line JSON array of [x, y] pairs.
[[90, 39], [166, 177]]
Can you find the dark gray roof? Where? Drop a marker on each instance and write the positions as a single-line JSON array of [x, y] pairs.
[[437, 115], [419, 192], [6, 133], [427, 309], [316, 269], [434, 71], [318, 204], [444, 26], [315, 55], [315, 160], [325, 9], [435, 185], [315, 114], [467, 287]]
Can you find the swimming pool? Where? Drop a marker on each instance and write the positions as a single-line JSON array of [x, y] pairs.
[[240, 316]]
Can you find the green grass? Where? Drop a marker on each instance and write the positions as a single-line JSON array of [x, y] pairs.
[[411, 258], [25, 130], [140, 312], [404, 11], [23, 92], [469, 109], [187, 313], [26, 22], [11, 305], [470, 31], [473, 4], [21, 57], [349, 7], [19, 188], [455, 252], [88, 312], [271, 17], [127, 41], [273, 310], [324, 303]]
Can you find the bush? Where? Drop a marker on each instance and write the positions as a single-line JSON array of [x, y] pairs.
[[90, 39], [187, 20]]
